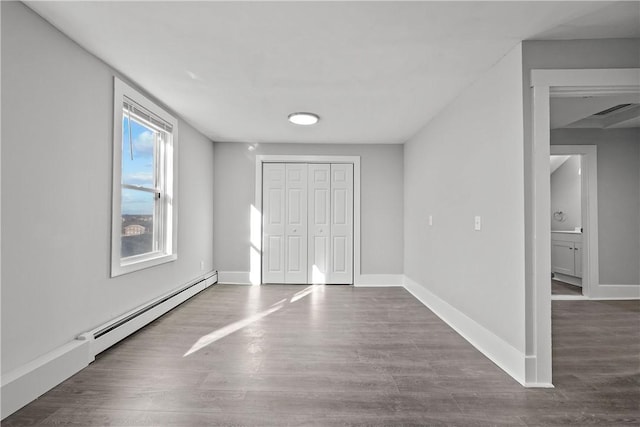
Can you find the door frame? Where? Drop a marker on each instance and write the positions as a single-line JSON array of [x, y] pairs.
[[589, 208], [256, 220], [538, 365]]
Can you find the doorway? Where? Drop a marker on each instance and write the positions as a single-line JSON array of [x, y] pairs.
[[545, 84], [579, 256], [308, 211], [568, 222]]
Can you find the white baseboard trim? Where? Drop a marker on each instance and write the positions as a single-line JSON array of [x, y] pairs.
[[572, 280], [539, 385], [363, 280], [234, 277], [379, 280], [530, 363], [569, 298], [503, 354], [29, 381], [613, 292]]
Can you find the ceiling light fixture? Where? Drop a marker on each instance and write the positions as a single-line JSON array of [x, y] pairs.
[[304, 119]]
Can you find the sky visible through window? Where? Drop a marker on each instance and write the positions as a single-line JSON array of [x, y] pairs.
[[139, 170]]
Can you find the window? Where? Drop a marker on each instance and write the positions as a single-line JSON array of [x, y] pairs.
[[144, 224]]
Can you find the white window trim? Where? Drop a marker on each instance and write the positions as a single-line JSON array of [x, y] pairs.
[[118, 268]]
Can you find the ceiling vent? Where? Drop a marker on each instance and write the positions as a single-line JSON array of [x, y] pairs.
[[611, 110]]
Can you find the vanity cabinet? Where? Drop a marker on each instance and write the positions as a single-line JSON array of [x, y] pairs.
[[577, 258], [566, 253]]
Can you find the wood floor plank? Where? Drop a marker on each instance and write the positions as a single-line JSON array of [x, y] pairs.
[[343, 356]]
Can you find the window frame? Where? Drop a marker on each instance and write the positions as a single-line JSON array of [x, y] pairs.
[[165, 186]]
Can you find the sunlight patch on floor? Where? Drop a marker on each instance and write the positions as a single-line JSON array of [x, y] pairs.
[[303, 293], [218, 334], [233, 327]]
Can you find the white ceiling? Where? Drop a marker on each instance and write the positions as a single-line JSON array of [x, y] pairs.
[[633, 122], [375, 72], [618, 20]]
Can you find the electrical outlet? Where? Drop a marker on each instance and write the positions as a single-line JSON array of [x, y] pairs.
[[478, 223], [201, 265]]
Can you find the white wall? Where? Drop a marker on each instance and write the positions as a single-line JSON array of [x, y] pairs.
[[468, 161], [57, 114], [618, 199], [381, 201], [566, 195]]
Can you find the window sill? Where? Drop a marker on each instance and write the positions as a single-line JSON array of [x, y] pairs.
[[118, 268]]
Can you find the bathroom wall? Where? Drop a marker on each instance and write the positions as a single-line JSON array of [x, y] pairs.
[[566, 195]]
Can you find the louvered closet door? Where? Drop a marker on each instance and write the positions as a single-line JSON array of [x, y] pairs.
[[319, 222], [273, 225], [341, 264]]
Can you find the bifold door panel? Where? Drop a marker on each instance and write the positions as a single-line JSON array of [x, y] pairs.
[[319, 222], [341, 224], [273, 209], [307, 223], [295, 270]]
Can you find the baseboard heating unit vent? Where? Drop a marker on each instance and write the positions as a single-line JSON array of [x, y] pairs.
[[108, 334]]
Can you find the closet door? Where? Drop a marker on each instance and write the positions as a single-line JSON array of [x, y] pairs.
[[319, 223], [273, 222], [341, 249], [307, 223], [296, 224]]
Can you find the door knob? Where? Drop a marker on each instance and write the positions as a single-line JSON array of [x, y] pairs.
[[294, 230]]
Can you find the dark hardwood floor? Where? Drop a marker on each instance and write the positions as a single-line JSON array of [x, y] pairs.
[[339, 355]]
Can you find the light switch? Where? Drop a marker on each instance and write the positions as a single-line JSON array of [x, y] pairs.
[[478, 223], [430, 219]]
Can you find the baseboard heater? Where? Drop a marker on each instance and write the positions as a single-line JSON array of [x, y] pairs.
[[25, 383], [108, 334]]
